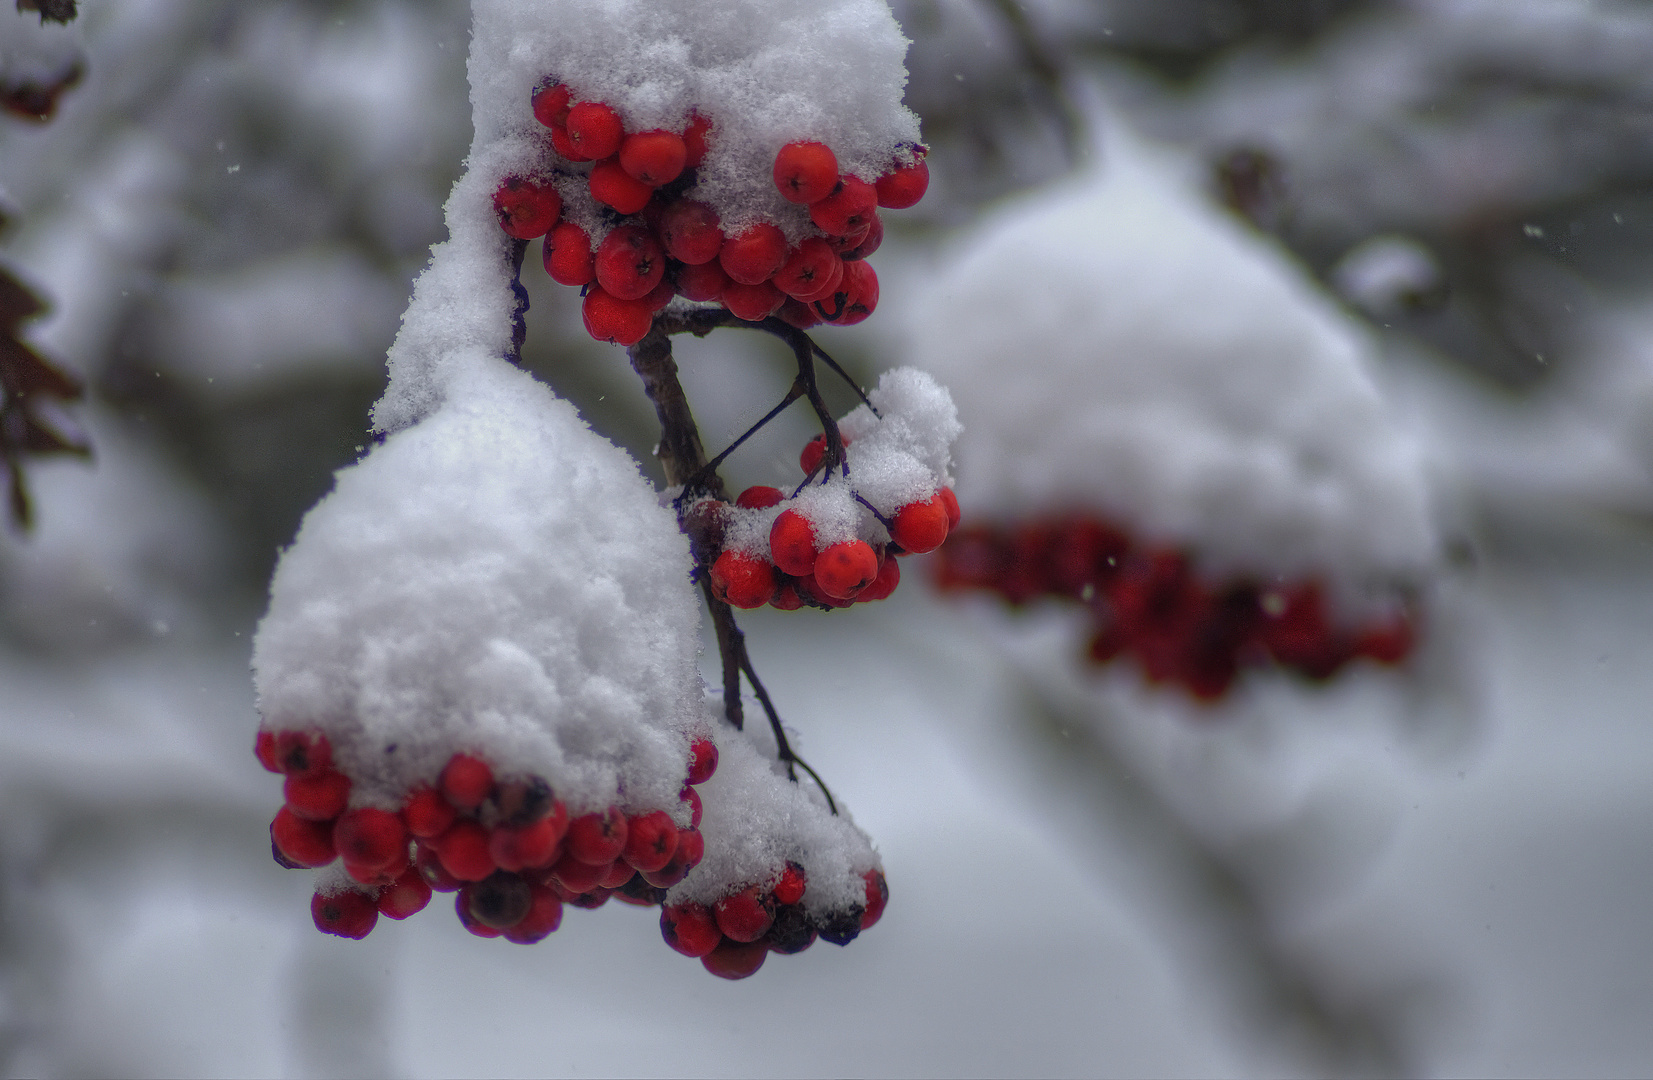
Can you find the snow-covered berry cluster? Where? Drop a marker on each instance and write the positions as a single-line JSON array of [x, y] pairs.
[[1151, 603]]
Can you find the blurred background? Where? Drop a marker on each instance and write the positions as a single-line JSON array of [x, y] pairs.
[[1440, 870]]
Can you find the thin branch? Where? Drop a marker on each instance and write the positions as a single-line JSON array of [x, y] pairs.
[[692, 484]]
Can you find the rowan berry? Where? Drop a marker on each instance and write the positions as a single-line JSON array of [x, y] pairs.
[[792, 543], [812, 586], [878, 895], [690, 929], [889, 576], [520, 801], [753, 303], [462, 908], [786, 597], [543, 918], [745, 915], [696, 807], [691, 846], [501, 900], [594, 129], [591, 900], [951, 503], [464, 852], [563, 144], [577, 876], [466, 781], [691, 232], [630, 262], [844, 245], [429, 865], [550, 103], [407, 895], [845, 568], [733, 960], [264, 748], [300, 752], [597, 838], [798, 314], [702, 761], [805, 172], [320, 795], [705, 281], [791, 932], [609, 318], [741, 580], [567, 255], [790, 888], [611, 186], [696, 140], [904, 186], [841, 927], [517, 847], [616, 875], [811, 272], [754, 255], [526, 210], [1388, 642], [759, 497], [302, 843], [653, 157], [370, 838], [427, 813], [847, 210], [920, 527], [855, 298], [350, 913]]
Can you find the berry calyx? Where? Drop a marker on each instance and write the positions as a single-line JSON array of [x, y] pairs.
[[753, 303], [845, 568], [759, 497], [630, 262], [300, 842], [847, 210], [427, 813], [320, 795], [805, 172], [466, 781], [734, 960], [567, 255], [653, 157], [550, 103], [300, 752], [594, 129], [920, 527], [742, 580], [792, 543], [744, 916], [609, 318], [612, 186], [526, 210], [348, 914], [407, 895], [690, 929], [904, 186], [754, 255], [691, 231], [702, 761], [597, 839]]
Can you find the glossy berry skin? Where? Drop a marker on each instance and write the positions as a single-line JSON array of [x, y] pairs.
[[543, 918], [811, 272], [516, 848], [597, 839], [611, 186], [568, 256], [792, 543], [878, 896], [690, 929], [691, 232], [464, 852], [595, 129], [564, 145], [264, 748], [848, 210], [651, 840], [577, 876], [734, 960], [619, 872], [318, 795], [920, 527], [951, 503], [903, 187], [550, 104], [741, 580], [348, 914], [753, 303], [408, 895], [691, 846], [805, 172], [856, 296], [466, 781], [653, 157], [427, 814], [702, 761], [526, 210], [301, 752], [619, 322], [705, 281], [302, 843], [744, 916], [889, 576], [759, 497], [696, 140], [845, 568], [790, 888], [754, 255], [630, 262], [371, 838]]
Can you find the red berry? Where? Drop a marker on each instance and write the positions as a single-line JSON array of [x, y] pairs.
[[813, 271], [616, 874], [742, 580], [621, 322], [521, 847], [321, 795], [696, 807], [792, 543], [526, 209], [889, 576], [462, 908], [1388, 642], [466, 781], [264, 748], [759, 497], [951, 503], [799, 314], [920, 527], [578, 876], [564, 144], [660, 295], [463, 850], [377, 875], [702, 761], [855, 298], [805, 172], [429, 865], [903, 187], [567, 255], [878, 895], [691, 846], [611, 186], [703, 282], [407, 896], [550, 103], [813, 587], [653, 157], [630, 262], [744, 916], [371, 838], [543, 918], [348, 914], [842, 246], [733, 960], [847, 210], [427, 813], [499, 901], [690, 929], [300, 842], [594, 129], [696, 139], [754, 255], [845, 568], [299, 752], [790, 888], [870, 241], [691, 232], [786, 597], [597, 839], [753, 303]]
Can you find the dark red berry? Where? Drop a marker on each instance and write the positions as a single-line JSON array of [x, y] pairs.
[[348, 914], [564, 144], [754, 255], [499, 901], [577, 876], [845, 568], [429, 865], [889, 576], [848, 210], [567, 255], [702, 761], [759, 497], [870, 241], [630, 262], [618, 873], [462, 908], [653, 157], [609, 318], [611, 186], [805, 172], [300, 752], [799, 314], [319, 795], [878, 895], [371, 838], [598, 838], [811, 272], [703, 282], [744, 916], [543, 918], [791, 933], [691, 232], [903, 187], [690, 847], [550, 103], [408, 895], [302, 842], [920, 527], [690, 929], [427, 813], [466, 781], [594, 129], [753, 303], [792, 543], [651, 840], [733, 960], [786, 597], [526, 210]]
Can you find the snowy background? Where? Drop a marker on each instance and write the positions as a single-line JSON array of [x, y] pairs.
[[1435, 872]]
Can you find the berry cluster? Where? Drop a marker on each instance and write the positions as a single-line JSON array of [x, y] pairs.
[[1150, 602], [789, 552], [617, 211], [506, 845]]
